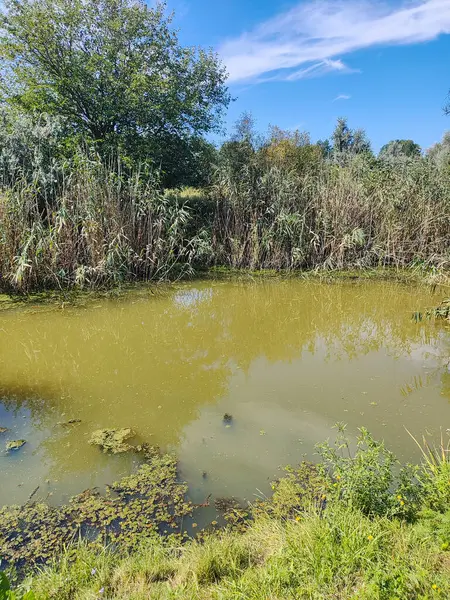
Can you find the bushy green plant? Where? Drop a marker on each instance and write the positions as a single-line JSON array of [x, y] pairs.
[[6, 593], [370, 478]]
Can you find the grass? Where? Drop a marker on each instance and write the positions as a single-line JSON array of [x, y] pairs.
[[339, 554], [95, 229], [340, 530]]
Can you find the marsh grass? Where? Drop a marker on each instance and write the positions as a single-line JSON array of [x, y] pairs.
[[92, 226]]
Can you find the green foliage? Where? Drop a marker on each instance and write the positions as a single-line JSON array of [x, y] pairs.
[[335, 530], [70, 219], [114, 69], [439, 153], [371, 479], [435, 474], [348, 141], [7, 594], [400, 148]]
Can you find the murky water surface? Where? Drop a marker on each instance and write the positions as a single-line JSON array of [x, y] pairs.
[[286, 359]]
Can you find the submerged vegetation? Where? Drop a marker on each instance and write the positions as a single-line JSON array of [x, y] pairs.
[[357, 525]]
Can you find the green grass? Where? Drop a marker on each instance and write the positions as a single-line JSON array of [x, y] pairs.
[[358, 526], [337, 554]]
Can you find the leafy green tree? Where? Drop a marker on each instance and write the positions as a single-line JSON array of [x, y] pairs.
[[342, 136], [115, 70], [325, 148], [397, 148], [360, 142], [349, 141]]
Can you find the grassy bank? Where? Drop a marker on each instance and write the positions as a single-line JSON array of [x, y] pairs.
[[359, 525]]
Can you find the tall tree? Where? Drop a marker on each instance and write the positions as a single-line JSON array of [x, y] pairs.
[[114, 69], [349, 141], [342, 136], [397, 148]]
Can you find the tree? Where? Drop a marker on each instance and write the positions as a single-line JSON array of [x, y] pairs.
[[360, 142], [397, 148], [115, 70], [342, 136], [325, 148], [349, 141], [440, 153]]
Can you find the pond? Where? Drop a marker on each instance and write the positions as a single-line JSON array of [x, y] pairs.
[[285, 359]]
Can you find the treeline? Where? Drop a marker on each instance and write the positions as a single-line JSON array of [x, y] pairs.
[[106, 175]]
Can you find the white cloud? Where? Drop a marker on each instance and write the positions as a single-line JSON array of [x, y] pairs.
[[313, 33], [342, 97], [317, 69]]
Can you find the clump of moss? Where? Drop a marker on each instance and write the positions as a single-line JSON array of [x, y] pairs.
[[112, 440], [15, 445]]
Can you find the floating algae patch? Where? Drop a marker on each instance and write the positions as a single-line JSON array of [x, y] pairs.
[[3, 429], [150, 502], [112, 440], [15, 445]]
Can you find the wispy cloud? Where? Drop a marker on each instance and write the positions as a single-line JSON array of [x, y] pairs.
[[312, 34], [342, 97], [317, 69]]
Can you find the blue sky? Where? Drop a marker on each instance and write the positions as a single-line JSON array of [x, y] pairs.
[[384, 65]]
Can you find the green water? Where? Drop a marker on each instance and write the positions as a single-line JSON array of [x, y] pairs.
[[287, 359]]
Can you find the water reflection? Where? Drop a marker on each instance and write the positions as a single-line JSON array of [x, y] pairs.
[[286, 358]]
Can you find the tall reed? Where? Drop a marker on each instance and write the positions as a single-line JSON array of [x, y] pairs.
[[91, 224]]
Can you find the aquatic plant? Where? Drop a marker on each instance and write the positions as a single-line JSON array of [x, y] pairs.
[[102, 229], [296, 545], [149, 502], [112, 440], [15, 445]]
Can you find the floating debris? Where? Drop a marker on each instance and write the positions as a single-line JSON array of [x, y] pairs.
[[70, 422], [225, 504], [113, 440], [3, 429], [227, 418], [15, 445]]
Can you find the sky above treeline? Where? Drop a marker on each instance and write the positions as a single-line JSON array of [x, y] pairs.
[[300, 65]]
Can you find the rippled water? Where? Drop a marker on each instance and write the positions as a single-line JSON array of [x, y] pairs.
[[286, 358]]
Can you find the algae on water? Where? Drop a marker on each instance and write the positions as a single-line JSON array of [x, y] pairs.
[[112, 440], [150, 502], [15, 444]]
